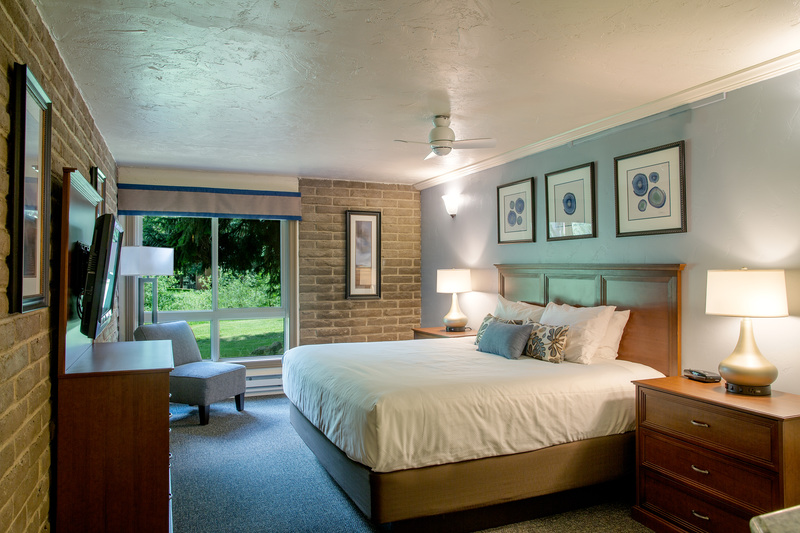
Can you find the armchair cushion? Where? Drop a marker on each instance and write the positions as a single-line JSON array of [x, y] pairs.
[[184, 345], [205, 382]]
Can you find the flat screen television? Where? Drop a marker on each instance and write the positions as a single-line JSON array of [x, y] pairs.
[[101, 276]]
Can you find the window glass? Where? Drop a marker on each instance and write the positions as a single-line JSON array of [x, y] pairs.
[[190, 287], [249, 263], [246, 338], [202, 332]]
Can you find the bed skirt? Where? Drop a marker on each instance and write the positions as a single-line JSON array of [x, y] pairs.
[[391, 496]]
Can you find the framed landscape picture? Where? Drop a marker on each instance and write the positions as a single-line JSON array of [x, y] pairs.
[[515, 212], [650, 191], [363, 255], [570, 203]]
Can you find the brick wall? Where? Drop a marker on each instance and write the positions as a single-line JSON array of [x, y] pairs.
[[325, 314], [26, 414]]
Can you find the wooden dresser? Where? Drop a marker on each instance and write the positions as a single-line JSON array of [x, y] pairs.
[[708, 460], [112, 451]]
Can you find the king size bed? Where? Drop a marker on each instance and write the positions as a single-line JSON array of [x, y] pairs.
[[418, 428]]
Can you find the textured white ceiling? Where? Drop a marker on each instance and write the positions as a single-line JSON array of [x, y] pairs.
[[323, 87]]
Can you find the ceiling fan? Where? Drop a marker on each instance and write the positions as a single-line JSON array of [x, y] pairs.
[[442, 139]]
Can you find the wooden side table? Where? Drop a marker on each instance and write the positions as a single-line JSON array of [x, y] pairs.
[[709, 460], [439, 332]]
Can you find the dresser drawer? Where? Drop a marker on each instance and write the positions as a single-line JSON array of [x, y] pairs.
[[687, 508], [749, 437], [751, 487]]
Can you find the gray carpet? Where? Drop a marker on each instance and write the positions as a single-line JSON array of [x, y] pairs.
[[249, 472]]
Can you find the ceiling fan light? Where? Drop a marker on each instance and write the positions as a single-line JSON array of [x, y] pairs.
[[441, 150]]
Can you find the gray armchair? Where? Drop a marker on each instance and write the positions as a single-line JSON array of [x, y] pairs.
[[194, 381]]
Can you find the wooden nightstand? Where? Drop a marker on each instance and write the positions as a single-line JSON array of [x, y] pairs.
[[441, 333], [709, 460]]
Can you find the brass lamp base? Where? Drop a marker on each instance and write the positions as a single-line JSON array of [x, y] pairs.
[[746, 371]]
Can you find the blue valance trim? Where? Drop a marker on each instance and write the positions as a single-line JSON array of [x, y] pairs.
[[215, 190]]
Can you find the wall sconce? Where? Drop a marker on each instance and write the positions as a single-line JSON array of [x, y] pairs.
[[451, 202], [747, 294], [454, 280]]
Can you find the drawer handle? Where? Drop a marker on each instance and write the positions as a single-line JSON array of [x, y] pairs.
[[701, 424], [700, 516], [699, 470]]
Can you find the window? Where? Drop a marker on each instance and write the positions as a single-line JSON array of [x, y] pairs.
[[229, 282]]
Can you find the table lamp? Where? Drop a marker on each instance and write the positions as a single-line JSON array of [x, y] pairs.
[[747, 294], [147, 261], [454, 280]]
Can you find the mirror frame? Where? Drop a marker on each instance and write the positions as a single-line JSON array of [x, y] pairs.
[[29, 258]]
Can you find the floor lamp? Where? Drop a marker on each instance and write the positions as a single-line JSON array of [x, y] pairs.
[[150, 262]]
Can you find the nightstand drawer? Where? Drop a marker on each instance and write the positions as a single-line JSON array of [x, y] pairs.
[[686, 508], [749, 486], [740, 434]]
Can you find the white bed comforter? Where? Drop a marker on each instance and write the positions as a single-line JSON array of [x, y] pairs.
[[408, 404]]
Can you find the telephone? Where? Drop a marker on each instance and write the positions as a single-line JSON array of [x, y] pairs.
[[706, 376]]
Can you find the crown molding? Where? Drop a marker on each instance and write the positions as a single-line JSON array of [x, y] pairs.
[[742, 78]]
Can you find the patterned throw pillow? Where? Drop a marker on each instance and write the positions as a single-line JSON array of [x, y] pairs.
[[547, 342], [488, 319]]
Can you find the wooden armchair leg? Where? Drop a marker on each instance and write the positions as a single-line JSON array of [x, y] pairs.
[[203, 414], [240, 402]]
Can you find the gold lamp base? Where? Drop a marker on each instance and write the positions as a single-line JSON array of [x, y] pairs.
[[745, 370]]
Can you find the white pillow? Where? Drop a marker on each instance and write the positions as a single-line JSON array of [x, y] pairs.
[[588, 325], [517, 310], [609, 346]]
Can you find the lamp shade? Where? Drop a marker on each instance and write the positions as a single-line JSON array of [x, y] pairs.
[[453, 280], [746, 293], [451, 202], [146, 261]]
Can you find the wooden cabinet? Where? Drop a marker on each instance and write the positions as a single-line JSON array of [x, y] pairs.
[[112, 440], [708, 460], [441, 333]]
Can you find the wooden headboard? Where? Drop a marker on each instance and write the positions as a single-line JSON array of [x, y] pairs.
[[652, 293]]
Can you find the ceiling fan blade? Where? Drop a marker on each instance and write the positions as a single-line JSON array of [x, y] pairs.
[[474, 143], [411, 142], [430, 155]]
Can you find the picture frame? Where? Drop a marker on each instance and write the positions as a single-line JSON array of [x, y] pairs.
[[570, 206], [516, 200], [98, 181], [29, 193], [650, 191], [363, 237]]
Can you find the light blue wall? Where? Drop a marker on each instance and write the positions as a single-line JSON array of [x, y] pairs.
[[743, 209]]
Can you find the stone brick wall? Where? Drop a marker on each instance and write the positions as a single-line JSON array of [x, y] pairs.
[[26, 361], [325, 314]]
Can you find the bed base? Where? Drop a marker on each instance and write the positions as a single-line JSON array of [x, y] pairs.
[[418, 492]]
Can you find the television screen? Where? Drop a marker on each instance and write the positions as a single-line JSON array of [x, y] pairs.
[[101, 276]]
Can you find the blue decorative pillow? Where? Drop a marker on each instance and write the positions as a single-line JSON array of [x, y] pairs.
[[507, 340]]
